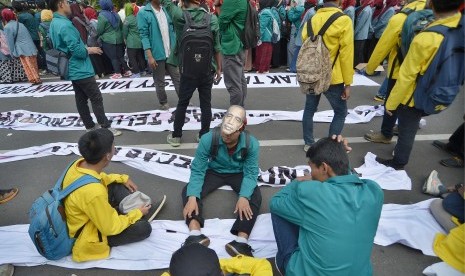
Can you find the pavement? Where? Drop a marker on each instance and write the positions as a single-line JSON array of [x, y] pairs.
[[34, 176]]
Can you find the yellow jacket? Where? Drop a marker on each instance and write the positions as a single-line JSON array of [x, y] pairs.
[[390, 41], [451, 248], [338, 37], [89, 205], [421, 52], [244, 265]]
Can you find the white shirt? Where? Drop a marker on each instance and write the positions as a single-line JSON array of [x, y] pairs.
[[122, 15], [163, 25]]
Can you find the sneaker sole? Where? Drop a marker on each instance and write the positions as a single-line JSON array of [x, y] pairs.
[[377, 141], [158, 209], [5, 200], [232, 251], [425, 185]]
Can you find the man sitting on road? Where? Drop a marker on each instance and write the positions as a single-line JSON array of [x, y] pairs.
[[225, 156], [91, 211], [326, 224]]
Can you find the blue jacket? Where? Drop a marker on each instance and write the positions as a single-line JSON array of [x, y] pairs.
[[225, 163], [150, 34], [350, 11], [379, 23], [308, 15], [24, 45], [66, 38], [337, 222], [266, 17], [363, 23]]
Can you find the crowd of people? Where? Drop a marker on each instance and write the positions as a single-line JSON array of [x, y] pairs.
[[303, 212]]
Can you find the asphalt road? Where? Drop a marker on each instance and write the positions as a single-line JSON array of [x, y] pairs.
[[34, 176]]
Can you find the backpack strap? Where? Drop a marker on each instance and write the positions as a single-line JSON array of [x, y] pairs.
[[215, 143], [244, 151], [62, 177], [188, 18], [330, 21], [78, 183]]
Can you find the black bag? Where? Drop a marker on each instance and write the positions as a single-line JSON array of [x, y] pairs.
[[196, 47], [57, 62], [251, 34]]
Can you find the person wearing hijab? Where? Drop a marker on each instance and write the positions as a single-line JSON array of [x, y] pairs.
[[79, 21], [363, 16], [307, 15], [46, 17], [110, 31], [381, 17], [11, 69], [294, 14], [21, 45], [348, 7], [133, 43], [264, 51]]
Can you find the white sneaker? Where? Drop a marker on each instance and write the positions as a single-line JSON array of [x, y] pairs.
[[306, 147], [115, 131], [432, 184], [165, 106]]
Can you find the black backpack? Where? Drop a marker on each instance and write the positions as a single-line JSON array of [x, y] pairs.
[[251, 34], [216, 140], [196, 47]]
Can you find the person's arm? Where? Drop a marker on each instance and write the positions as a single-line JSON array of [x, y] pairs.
[[286, 203], [72, 38], [251, 170], [265, 21], [362, 20], [246, 265], [346, 51], [10, 36], [216, 36], [386, 43], [383, 21], [173, 10], [108, 179], [199, 167], [229, 11], [421, 52]]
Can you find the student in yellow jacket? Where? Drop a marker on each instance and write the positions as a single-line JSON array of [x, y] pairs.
[[339, 39], [388, 44], [198, 260], [422, 51], [90, 214]]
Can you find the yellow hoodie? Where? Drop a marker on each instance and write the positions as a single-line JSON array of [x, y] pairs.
[[89, 206], [451, 248], [422, 51], [390, 41], [338, 37]]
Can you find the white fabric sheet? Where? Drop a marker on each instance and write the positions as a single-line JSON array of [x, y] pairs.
[[441, 269], [411, 225]]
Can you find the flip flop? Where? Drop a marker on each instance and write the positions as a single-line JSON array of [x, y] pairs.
[[8, 195]]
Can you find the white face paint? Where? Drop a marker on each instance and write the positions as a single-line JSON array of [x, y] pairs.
[[233, 120]]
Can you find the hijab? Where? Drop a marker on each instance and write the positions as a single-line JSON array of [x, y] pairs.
[[90, 13], [46, 15], [108, 13], [364, 4], [347, 3], [76, 12], [8, 15], [128, 9], [379, 7]]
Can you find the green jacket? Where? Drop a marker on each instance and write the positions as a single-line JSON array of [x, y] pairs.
[[197, 15], [107, 33], [266, 17], [232, 22], [131, 33], [225, 163], [65, 37], [30, 23], [338, 219], [295, 15], [150, 34]]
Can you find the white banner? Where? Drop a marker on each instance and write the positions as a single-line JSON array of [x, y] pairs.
[[157, 120], [274, 80], [177, 167]]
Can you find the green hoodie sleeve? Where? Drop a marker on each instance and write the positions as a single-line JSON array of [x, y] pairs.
[[72, 39], [251, 170], [199, 166], [286, 203]]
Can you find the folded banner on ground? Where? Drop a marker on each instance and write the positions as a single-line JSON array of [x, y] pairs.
[[157, 120], [274, 80], [177, 167], [412, 225]]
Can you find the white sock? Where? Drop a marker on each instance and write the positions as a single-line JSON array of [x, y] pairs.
[[195, 233], [241, 239]]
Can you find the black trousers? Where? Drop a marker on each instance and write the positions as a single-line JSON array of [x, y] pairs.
[[186, 90], [359, 47], [136, 60], [212, 182], [456, 141], [102, 64], [389, 121], [41, 62], [135, 232], [84, 90], [115, 52]]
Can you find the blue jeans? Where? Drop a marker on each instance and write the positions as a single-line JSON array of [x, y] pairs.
[[453, 204], [293, 67], [409, 118], [389, 121], [287, 237], [311, 105], [383, 89]]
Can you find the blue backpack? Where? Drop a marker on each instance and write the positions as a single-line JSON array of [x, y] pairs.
[[416, 22], [48, 229], [441, 83]]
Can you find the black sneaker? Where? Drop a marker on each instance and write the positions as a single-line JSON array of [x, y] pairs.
[[389, 163], [235, 248], [202, 239], [155, 209]]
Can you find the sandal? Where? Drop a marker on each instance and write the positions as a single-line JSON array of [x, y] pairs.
[[7, 195]]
